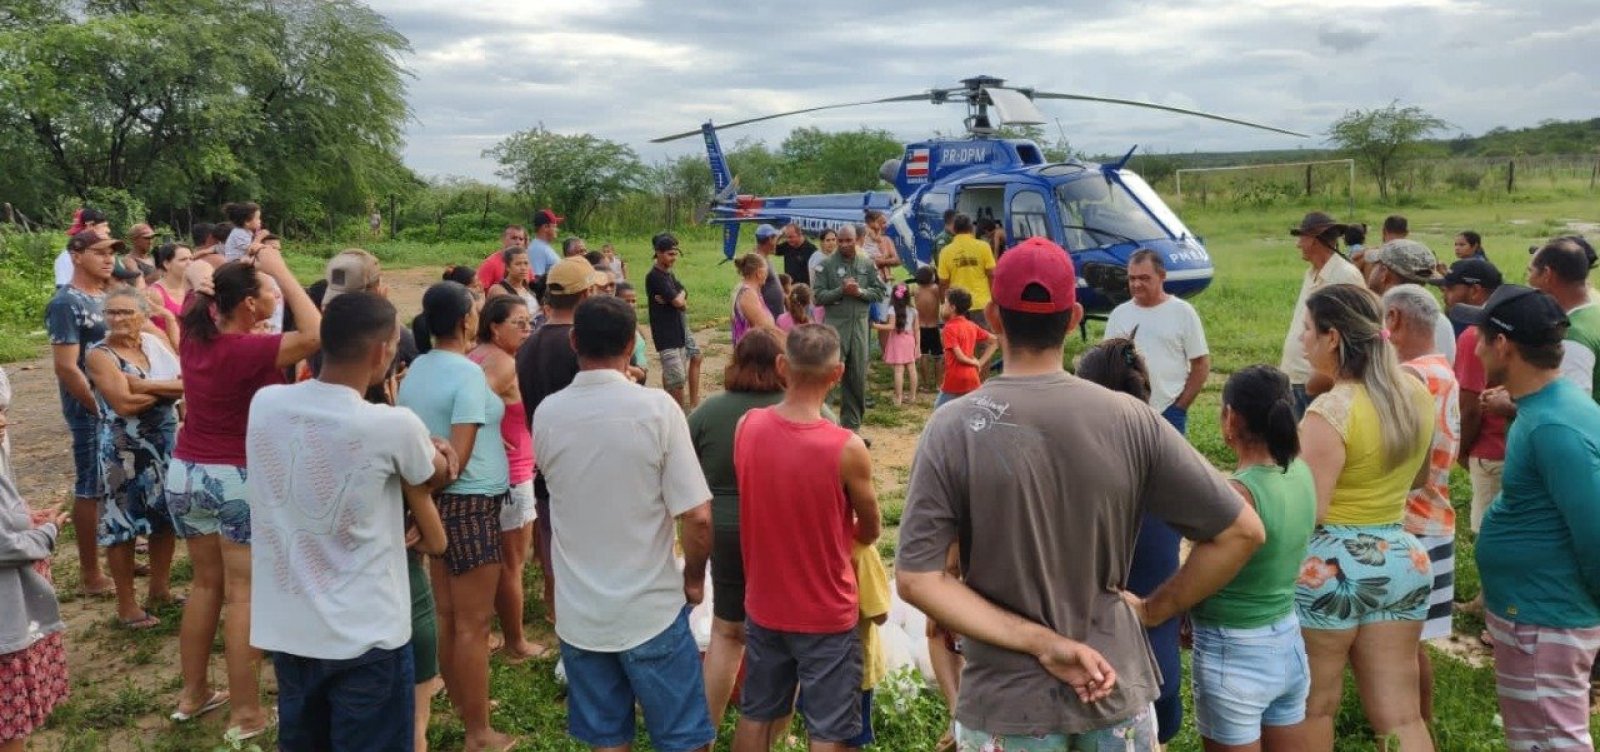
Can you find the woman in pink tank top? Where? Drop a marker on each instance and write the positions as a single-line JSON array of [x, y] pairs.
[[748, 310], [502, 328], [167, 294]]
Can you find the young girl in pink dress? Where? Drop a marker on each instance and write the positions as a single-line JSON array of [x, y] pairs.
[[900, 341]]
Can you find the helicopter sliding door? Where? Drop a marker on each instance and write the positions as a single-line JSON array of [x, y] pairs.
[[981, 201], [1027, 216]]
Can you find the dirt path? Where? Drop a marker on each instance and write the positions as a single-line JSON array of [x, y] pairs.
[[124, 683]]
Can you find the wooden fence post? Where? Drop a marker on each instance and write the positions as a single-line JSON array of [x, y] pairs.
[[1308, 181], [1511, 175]]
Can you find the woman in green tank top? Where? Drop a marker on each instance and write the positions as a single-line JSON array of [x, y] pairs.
[[1250, 672]]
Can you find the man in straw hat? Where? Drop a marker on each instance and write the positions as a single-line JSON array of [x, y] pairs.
[[1317, 236]]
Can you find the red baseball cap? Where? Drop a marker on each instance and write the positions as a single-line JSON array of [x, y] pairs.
[[1035, 261], [546, 217]]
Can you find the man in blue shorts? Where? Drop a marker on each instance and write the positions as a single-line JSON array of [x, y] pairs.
[[75, 323]]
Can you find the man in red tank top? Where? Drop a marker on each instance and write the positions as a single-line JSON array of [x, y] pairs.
[[799, 511]]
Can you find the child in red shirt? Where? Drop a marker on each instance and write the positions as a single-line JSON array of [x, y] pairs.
[[961, 338]]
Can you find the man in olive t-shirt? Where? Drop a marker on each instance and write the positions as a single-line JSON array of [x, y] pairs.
[[1042, 478]]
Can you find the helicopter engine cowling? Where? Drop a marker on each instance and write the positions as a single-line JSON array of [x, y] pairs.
[[889, 171]]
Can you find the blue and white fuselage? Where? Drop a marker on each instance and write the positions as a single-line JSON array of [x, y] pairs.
[[1099, 213]]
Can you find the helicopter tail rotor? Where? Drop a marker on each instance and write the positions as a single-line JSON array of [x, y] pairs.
[[726, 194]]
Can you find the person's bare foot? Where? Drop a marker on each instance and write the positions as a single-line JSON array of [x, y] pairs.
[[98, 588], [494, 741], [517, 654]]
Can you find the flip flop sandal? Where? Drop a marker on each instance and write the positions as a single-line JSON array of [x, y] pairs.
[[217, 700], [177, 600], [236, 734], [142, 623], [103, 593]]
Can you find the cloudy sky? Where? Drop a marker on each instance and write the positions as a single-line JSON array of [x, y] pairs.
[[629, 70]]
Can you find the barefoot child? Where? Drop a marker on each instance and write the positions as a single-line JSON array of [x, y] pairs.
[[900, 342], [961, 338], [929, 298]]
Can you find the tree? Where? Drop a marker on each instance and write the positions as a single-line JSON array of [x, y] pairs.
[[819, 162], [1384, 140], [185, 104], [573, 174]]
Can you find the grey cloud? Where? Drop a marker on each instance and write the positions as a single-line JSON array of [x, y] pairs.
[[629, 71], [1343, 39]]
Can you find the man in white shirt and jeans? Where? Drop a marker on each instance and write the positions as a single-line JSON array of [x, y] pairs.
[[624, 605], [329, 477], [1168, 333]]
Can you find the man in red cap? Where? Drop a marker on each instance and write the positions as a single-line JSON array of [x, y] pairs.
[[541, 254], [1063, 470]]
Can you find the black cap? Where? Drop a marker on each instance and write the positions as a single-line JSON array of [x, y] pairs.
[[664, 241], [1472, 271], [1522, 314]]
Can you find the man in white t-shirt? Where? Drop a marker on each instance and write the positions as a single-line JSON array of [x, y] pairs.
[[330, 476], [623, 603], [1317, 237], [1168, 333]]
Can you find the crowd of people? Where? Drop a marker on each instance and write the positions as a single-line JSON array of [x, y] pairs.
[[360, 498]]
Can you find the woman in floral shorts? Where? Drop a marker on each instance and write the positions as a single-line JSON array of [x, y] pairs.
[[1363, 590]]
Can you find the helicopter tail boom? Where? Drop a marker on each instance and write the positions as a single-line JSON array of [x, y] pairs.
[[721, 178]]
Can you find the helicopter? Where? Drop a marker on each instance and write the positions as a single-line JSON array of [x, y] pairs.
[[1099, 213]]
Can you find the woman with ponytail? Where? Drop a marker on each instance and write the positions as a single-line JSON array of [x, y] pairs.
[[1363, 589], [225, 361], [1247, 634]]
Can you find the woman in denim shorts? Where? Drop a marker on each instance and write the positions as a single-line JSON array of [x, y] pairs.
[[1363, 590], [226, 359], [1249, 667]]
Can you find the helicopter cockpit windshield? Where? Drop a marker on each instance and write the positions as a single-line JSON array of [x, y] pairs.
[[1101, 212]]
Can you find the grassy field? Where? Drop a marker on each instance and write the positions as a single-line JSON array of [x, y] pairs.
[[1246, 312]]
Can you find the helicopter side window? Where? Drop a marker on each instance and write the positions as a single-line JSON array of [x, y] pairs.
[[1096, 212], [1029, 218]]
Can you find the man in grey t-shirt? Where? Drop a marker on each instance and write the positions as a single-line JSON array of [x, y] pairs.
[[1042, 479]]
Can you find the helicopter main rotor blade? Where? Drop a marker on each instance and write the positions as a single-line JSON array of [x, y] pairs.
[[927, 95], [1179, 110]]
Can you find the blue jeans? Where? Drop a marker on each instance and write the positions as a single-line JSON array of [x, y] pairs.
[[363, 703], [1178, 417], [662, 675], [1248, 678]]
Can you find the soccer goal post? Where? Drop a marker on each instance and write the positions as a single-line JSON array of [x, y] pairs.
[[1350, 164]]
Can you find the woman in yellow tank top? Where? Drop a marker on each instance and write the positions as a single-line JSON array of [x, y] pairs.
[[1363, 591]]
